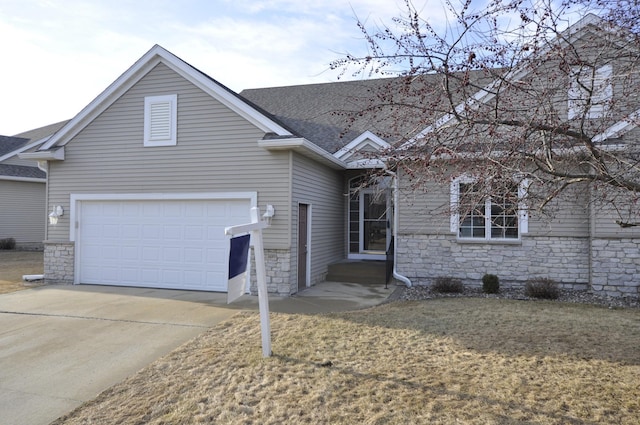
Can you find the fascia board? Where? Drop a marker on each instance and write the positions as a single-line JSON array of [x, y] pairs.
[[225, 97], [619, 128], [50, 155], [131, 76], [22, 149], [305, 147]]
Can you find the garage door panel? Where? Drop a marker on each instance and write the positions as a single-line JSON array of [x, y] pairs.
[[158, 243]]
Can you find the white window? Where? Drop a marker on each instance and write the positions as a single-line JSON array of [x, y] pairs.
[[590, 92], [160, 120], [482, 213]]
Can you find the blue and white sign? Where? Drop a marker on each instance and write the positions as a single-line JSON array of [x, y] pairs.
[[238, 262]]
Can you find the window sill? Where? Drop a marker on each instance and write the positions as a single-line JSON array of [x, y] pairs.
[[477, 241]]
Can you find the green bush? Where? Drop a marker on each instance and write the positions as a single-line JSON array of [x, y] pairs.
[[542, 288], [447, 285], [490, 284], [7, 243]]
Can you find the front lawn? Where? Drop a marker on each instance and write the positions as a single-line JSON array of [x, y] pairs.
[[14, 265], [441, 361]]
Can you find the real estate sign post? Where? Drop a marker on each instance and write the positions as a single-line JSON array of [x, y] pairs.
[[238, 248]]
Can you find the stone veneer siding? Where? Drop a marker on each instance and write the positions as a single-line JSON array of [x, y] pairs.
[[615, 266], [279, 277], [59, 260], [59, 268], [423, 258]]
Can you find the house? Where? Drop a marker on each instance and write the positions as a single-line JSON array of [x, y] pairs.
[[22, 189], [144, 180]]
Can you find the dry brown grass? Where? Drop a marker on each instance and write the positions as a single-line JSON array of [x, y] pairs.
[[15, 264], [443, 361]]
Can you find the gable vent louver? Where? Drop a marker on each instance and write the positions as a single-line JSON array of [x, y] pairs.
[[160, 121]]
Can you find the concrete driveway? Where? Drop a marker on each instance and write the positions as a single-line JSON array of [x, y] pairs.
[[63, 345]]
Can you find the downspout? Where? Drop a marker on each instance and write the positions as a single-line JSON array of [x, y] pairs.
[[394, 187]]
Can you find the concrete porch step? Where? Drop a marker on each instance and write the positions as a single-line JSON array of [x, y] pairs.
[[358, 271]]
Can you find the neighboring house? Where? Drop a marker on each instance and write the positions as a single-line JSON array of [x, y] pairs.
[[150, 173], [22, 195], [22, 189]]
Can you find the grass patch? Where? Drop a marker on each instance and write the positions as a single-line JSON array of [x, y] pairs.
[[443, 361], [15, 264]]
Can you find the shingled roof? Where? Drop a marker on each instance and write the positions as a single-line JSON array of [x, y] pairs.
[[10, 144], [331, 115], [21, 171]]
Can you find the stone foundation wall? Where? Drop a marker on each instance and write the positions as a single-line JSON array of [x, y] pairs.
[[280, 280], [616, 267], [423, 258], [59, 260]]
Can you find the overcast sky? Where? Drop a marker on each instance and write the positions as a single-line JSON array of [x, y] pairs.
[[58, 55]]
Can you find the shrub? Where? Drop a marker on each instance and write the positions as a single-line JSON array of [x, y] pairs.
[[448, 285], [542, 288], [490, 284], [7, 243]]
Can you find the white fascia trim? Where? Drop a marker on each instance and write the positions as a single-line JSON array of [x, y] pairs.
[[22, 149], [230, 100], [23, 179], [141, 67], [619, 128], [485, 94], [55, 155], [302, 144], [78, 197], [355, 144]]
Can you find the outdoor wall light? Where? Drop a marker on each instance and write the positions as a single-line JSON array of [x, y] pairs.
[[55, 214], [268, 216]]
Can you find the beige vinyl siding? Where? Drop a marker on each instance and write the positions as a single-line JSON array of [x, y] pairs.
[[425, 211], [322, 188], [22, 211], [216, 151]]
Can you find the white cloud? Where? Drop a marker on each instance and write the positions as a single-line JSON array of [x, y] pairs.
[[61, 54]]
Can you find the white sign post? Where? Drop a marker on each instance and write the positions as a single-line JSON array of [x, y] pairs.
[[255, 229]]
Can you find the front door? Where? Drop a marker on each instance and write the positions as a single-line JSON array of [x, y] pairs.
[[373, 223], [369, 219]]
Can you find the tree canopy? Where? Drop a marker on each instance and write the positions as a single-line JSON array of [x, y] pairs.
[[542, 91]]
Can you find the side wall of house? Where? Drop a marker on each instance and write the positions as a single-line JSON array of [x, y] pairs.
[[22, 212], [216, 151], [321, 188], [555, 247]]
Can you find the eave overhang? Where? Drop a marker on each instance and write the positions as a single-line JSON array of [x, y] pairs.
[[46, 155], [303, 147]]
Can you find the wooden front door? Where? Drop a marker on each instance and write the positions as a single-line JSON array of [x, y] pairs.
[[303, 241]]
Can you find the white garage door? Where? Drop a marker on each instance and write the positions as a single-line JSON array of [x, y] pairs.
[[174, 244]]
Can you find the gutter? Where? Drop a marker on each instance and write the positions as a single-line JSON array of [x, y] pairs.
[[395, 273]]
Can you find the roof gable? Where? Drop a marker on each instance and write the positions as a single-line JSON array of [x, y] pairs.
[[140, 68], [359, 152]]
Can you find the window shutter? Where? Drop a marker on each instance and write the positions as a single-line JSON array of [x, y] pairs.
[[455, 197], [523, 212]]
